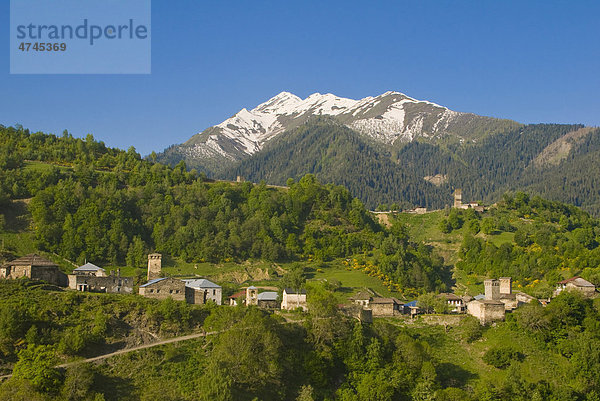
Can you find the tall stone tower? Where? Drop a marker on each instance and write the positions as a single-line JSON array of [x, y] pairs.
[[458, 198], [251, 296], [492, 289], [505, 285], [154, 265]]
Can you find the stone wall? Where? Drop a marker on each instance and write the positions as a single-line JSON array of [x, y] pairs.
[[383, 309]]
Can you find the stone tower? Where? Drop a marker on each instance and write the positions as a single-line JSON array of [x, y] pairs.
[[458, 198], [251, 296], [505, 285], [154, 265], [492, 289]]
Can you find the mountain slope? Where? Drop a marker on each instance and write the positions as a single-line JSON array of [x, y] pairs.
[[388, 118], [335, 153]]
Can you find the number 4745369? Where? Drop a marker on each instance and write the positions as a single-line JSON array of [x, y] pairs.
[[43, 47]]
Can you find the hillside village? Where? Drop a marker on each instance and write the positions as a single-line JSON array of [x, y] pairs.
[[489, 307]]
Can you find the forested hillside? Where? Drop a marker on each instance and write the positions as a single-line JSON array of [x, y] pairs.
[[535, 241], [484, 168], [539, 353], [109, 206], [334, 153]]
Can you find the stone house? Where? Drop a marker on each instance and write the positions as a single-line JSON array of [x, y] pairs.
[[497, 292], [200, 291], [93, 278], [90, 269], [162, 288], [386, 307], [34, 267], [362, 298], [576, 284], [455, 303], [292, 299], [486, 310], [268, 300]]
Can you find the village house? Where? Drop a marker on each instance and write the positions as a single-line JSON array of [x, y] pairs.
[[268, 300], [386, 307], [90, 269], [238, 298], [162, 288], [497, 292], [576, 284], [292, 299], [455, 303], [362, 298], [486, 310], [460, 205], [90, 277], [491, 308], [199, 291], [34, 267]]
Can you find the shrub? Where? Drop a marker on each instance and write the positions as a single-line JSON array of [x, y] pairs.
[[501, 357]]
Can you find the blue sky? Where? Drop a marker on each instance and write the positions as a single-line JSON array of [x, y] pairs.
[[531, 61]]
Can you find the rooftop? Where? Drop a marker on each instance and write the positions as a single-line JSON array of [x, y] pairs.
[[88, 267], [361, 296], [268, 296], [156, 280], [385, 301], [293, 292], [201, 283], [577, 281], [31, 260]]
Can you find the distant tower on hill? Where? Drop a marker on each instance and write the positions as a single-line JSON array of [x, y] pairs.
[[458, 198], [154, 265]]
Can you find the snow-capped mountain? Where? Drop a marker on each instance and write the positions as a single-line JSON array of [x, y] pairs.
[[388, 118]]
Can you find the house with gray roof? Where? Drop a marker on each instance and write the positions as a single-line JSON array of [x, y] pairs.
[[200, 291], [89, 269], [268, 300]]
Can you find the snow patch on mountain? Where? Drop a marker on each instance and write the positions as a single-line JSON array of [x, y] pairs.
[[383, 118]]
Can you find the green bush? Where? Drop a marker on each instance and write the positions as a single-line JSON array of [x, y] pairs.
[[501, 357]]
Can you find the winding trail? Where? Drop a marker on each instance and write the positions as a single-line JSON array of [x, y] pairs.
[[145, 346]]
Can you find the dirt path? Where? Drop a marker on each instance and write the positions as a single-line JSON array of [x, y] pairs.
[[145, 346], [126, 350]]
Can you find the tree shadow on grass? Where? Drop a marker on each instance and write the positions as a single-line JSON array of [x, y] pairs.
[[114, 388], [451, 375]]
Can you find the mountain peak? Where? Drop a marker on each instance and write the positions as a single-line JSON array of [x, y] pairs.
[[387, 118]]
